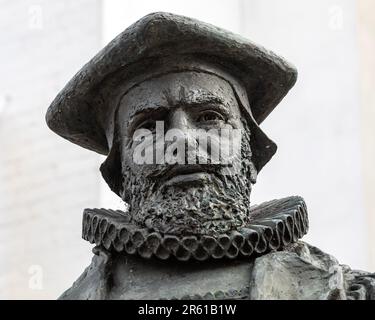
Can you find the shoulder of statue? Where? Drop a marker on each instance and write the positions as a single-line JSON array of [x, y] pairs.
[[358, 284], [93, 284], [309, 273], [361, 284], [305, 272]]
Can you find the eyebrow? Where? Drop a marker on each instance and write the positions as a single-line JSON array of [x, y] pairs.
[[199, 98], [216, 103], [205, 99], [210, 100], [149, 110]]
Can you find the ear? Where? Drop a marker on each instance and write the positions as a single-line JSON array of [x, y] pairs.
[[111, 170]]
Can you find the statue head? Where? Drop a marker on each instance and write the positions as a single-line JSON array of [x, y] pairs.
[[182, 170], [176, 105]]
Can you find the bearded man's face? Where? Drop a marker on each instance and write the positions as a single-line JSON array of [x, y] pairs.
[[172, 194]]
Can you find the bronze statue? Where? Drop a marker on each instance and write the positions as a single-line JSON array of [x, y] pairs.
[[146, 101]]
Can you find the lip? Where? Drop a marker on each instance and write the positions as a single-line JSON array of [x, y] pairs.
[[186, 179], [183, 175]]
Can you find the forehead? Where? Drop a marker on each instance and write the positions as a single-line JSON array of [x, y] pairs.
[[174, 89]]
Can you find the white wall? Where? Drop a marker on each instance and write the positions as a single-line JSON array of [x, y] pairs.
[[366, 30], [45, 181]]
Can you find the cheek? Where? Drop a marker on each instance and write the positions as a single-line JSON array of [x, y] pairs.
[[235, 121], [138, 172]]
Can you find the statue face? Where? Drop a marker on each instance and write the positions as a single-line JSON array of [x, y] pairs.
[[176, 191]]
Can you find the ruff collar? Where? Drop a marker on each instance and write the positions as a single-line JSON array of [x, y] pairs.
[[274, 225]]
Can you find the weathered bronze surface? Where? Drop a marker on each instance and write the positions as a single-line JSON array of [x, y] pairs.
[[189, 231]]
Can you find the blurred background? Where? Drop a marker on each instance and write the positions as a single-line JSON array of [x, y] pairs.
[[324, 127]]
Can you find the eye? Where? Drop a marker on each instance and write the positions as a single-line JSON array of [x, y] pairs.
[[147, 124], [210, 115]]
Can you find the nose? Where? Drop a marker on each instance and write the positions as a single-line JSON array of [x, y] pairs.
[[179, 120]]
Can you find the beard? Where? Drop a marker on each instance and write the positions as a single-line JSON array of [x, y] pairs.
[[219, 205]]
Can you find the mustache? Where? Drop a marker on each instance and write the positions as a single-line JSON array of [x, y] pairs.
[[171, 170], [159, 176]]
